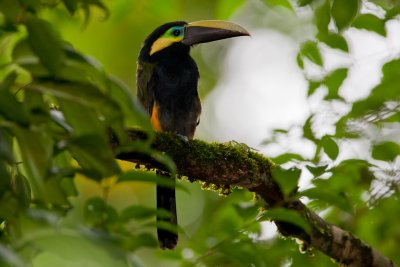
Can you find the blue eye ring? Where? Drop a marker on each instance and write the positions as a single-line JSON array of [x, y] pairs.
[[176, 32]]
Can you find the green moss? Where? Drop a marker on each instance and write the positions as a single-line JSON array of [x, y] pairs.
[[222, 190], [233, 156]]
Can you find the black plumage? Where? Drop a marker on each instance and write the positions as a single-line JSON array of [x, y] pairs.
[[167, 78]]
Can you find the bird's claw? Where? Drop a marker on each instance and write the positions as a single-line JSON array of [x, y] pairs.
[[185, 139]]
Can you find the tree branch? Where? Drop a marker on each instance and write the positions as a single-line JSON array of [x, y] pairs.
[[234, 164]]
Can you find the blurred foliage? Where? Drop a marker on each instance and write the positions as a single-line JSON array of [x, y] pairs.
[[350, 191], [58, 204]]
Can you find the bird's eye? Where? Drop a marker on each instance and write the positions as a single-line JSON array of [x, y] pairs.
[[176, 32]]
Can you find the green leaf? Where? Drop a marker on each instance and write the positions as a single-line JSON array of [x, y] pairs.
[[283, 158], [55, 193], [387, 151], [9, 206], [5, 180], [150, 177], [98, 212], [142, 240], [94, 155], [393, 12], [12, 110], [307, 129], [323, 17], [289, 216], [330, 147], [68, 187], [310, 50], [36, 157], [333, 81], [391, 69], [342, 129], [280, 131], [371, 23], [334, 40], [143, 147], [94, 209], [304, 2], [386, 4], [96, 3], [317, 170], [287, 179], [344, 11], [387, 90], [164, 159], [325, 194], [83, 80], [63, 247], [344, 189], [89, 144], [6, 141], [8, 81], [134, 114], [300, 61], [351, 167], [226, 8], [246, 211], [71, 5], [165, 225], [46, 43], [38, 108], [76, 67], [79, 102], [242, 251], [281, 3], [312, 87], [137, 212], [395, 117], [22, 190], [23, 52]]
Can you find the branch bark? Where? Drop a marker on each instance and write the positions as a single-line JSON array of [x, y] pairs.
[[233, 164]]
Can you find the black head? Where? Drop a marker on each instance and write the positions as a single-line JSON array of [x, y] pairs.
[[181, 35]]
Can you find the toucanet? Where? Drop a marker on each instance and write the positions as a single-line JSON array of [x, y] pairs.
[[167, 78]]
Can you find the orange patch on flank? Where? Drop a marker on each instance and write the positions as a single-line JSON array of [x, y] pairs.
[[154, 119]]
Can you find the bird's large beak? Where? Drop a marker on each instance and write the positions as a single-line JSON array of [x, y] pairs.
[[211, 30]]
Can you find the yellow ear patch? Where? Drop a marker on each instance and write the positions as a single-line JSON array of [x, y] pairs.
[[164, 42]]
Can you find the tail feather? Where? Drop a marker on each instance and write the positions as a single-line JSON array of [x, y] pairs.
[[166, 200]]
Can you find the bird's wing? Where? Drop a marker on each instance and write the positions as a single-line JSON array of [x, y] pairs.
[[145, 92]]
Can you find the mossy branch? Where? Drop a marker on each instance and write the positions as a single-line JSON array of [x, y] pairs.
[[234, 164]]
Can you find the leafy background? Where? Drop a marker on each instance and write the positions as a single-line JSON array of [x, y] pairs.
[[68, 76]]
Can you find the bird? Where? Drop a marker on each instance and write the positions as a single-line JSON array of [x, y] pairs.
[[166, 80]]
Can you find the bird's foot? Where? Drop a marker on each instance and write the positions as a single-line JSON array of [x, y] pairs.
[[185, 139]]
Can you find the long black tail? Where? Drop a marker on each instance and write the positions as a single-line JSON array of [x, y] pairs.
[[166, 200]]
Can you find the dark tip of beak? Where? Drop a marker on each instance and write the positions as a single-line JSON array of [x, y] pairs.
[[208, 31]]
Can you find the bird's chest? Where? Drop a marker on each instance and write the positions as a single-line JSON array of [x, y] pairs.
[[175, 78], [175, 82]]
